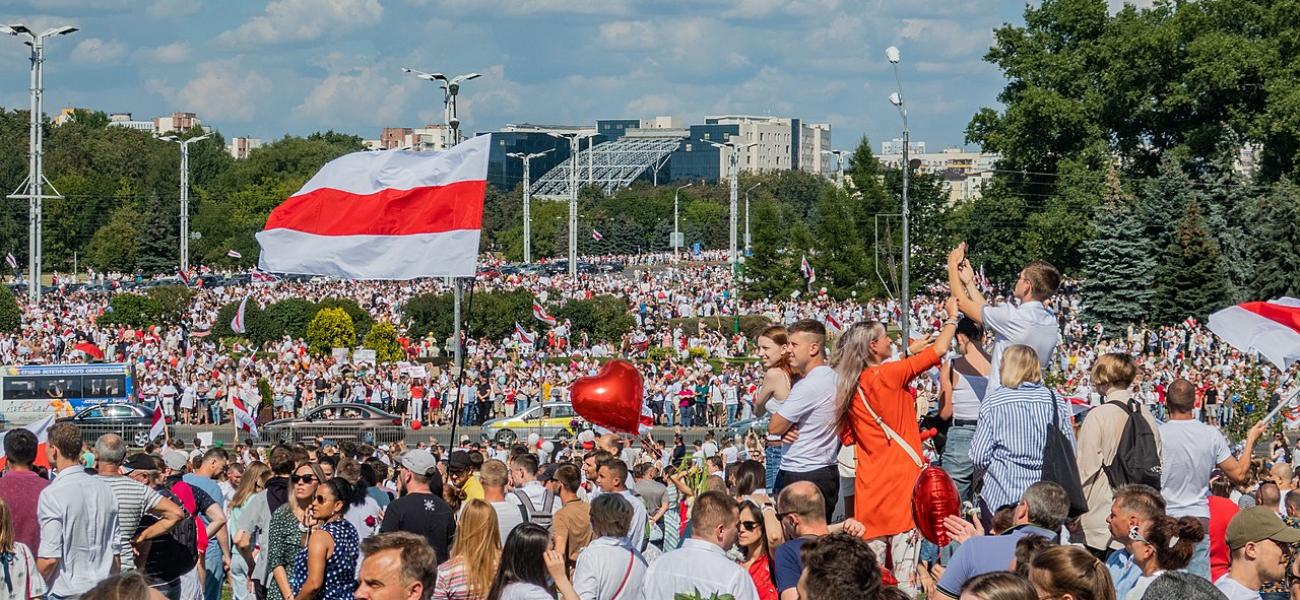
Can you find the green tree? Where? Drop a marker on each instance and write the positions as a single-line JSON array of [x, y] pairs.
[[115, 245], [428, 314], [157, 240], [173, 303], [602, 318], [293, 314], [1276, 232], [494, 314], [11, 315], [330, 328], [259, 328], [131, 310], [769, 270], [1190, 280], [840, 259], [382, 338], [1118, 264], [361, 319]]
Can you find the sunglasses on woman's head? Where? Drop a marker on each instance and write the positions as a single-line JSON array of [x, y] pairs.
[[308, 479]]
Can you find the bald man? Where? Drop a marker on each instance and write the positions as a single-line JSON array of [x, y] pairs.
[[802, 511]]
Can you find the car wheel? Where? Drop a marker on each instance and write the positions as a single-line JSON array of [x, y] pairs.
[[142, 438], [506, 436]]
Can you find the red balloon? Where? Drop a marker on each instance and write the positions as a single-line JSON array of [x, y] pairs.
[[933, 499], [416, 425], [612, 398]]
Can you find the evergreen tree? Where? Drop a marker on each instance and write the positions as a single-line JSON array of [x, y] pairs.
[[157, 240], [841, 263], [1275, 221], [1117, 263], [1162, 200], [768, 269], [1191, 279], [1227, 214]]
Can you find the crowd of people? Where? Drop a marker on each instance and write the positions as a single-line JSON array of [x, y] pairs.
[[1087, 465]]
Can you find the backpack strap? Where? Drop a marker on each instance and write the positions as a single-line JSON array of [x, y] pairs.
[[525, 504], [548, 502], [889, 432]]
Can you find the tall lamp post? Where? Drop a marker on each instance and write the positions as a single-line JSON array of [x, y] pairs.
[[896, 98], [185, 195], [733, 159], [677, 230], [450, 89], [528, 204], [751, 188], [35, 169], [575, 140]]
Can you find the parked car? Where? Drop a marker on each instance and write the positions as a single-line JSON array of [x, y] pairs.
[[554, 420], [338, 421], [130, 421], [740, 428]]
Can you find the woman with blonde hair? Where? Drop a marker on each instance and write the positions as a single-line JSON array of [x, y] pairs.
[[1070, 573], [1013, 425], [21, 580], [241, 564], [468, 574]]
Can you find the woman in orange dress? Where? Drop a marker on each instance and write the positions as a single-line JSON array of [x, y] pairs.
[[886, 471]]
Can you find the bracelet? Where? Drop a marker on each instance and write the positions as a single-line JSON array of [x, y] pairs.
[[952, 322]]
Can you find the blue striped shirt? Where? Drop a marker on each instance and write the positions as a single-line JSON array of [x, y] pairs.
[[1009, 440]]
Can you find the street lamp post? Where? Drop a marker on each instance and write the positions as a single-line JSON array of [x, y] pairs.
[[677, 230], [896, 99], [185, 196], [450, 89], [734, 162], [751, 188], [528, 204], [575, 140], [36, 152]]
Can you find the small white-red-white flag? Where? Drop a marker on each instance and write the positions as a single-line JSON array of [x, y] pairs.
[[237, 323], [595, 235], [834, 324], [539, 313], [807, 270], [234, 254], [158, 426], [384, 215], [524, 336], [244, 419], [11, 261]]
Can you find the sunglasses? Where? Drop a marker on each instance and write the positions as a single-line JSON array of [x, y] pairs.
[[321, 499], [308, 479], [748, 525]]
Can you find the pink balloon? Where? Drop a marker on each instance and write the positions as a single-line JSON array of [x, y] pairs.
[[933, 499]]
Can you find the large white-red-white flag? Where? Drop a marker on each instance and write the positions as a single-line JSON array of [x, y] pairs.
[[384, 215], [539, 313], [244, 420], [1269, 328], [158, 426], [41, 430], [237, 322]]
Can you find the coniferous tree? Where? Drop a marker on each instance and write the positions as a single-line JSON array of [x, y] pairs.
[[767, 270], [157, 241], [1191, 280], [1117, 263], [1275, 221], [1227, 205], [841, 257]]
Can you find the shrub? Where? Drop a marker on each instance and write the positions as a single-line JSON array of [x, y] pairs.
[[429, 313], [487, 314], [330, 328], [750, 325], [660, 353], [603, 318], [131, 310], [697, 352], [382, 338], [292, 316], [264, 390], [361, 319], [11, 315], [173, 303], [258, 327]]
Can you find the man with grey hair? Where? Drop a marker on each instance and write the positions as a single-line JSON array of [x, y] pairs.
[[1042, 510], [1181, 585], [134, 499]]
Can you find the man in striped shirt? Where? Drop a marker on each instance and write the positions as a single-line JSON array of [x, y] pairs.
[[134, 499]]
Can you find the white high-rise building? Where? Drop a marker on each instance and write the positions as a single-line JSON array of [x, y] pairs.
[[781, 143], [241, 147]]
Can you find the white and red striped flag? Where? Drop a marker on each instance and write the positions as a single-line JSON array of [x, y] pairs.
[[595, 235], [184, 275], [834, 324], [158, 426], [244, 420], [524, 338], [384, 215], [11, 261], [260, 276], [234, 254], [237, 323], [539, 313], [807, 270], [41, 430], [1269, 328]]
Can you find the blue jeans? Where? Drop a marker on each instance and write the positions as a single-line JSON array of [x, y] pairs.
[[956, 458], [213, 573], [1200, 563], [731, 413], [772, 465], [670, 414], [686, 415]]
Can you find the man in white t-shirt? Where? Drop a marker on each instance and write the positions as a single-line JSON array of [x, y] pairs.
[[1192, 450], [812, 412], [1030, 323], [1257, 539]]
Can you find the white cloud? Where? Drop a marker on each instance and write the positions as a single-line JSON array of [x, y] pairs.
[[530, 7], [648, 106], [365, 95], [174, 8], [301, 20], [176, 52], [95, 50], [223, 90], [951, 39]]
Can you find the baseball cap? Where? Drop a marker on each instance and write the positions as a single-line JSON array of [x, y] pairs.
[[1259, 523], [419, 461], [459, 459], [175, 461], [548, 472], [139, 462]]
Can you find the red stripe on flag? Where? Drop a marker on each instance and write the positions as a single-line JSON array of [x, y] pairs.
[[1286, 316], [437, 209]]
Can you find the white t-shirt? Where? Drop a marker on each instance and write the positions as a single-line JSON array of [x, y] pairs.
[[1234, 590], [509, 516], [1190, 450], [811, 406], [1031, 324], [525, 591]]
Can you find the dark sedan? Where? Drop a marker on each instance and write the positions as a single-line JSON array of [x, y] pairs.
[[131, 421], [340, 421]]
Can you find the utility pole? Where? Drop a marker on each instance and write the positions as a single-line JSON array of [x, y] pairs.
[[677, 230], [751, 188], [185, 196], [575, 145], [36, 153], [528, 201], [896, 99]]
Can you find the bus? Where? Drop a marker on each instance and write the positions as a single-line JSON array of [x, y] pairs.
[[32, 392]]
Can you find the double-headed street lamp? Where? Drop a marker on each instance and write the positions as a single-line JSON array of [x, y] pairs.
[[734, 161], [896, 98], [185, 195], [751, 188], [450, 88], [528, 220], [35, 168], [677, 230], [575, 138]]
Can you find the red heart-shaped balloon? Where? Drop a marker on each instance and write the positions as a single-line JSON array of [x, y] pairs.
[[612, 398], [933, 499]]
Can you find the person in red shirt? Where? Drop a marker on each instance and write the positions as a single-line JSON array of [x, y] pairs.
[[1222, 509], [757, 553]]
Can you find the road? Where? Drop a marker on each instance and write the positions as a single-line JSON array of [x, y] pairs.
[[442, 435]]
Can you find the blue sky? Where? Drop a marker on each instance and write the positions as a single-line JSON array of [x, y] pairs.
[[266, 69]]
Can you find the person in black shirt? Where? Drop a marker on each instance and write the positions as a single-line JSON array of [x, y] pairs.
[[420, 510]]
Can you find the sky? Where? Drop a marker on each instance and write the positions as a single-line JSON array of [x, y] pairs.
[[270, 68]]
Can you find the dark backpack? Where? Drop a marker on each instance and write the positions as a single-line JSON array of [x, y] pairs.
[[533, 514], [175, 552], [1137, 459], [1059, 464]]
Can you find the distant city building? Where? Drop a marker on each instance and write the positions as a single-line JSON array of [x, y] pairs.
[[176, 122], [393, 138], [68, 114], [895, 146], [964, 173], [241, 147], [1246, 164], [125, 120]]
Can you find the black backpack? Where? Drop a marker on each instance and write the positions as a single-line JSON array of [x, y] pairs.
[[1137, 460], [1059, 465]]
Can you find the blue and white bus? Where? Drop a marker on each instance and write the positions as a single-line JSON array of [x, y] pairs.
[[30, 393]]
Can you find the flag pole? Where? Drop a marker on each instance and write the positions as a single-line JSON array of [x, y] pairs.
[[458, 356], [1281, 405]]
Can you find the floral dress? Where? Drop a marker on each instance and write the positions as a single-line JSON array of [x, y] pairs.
[[672, 520], [341, 566], [283, 540]]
